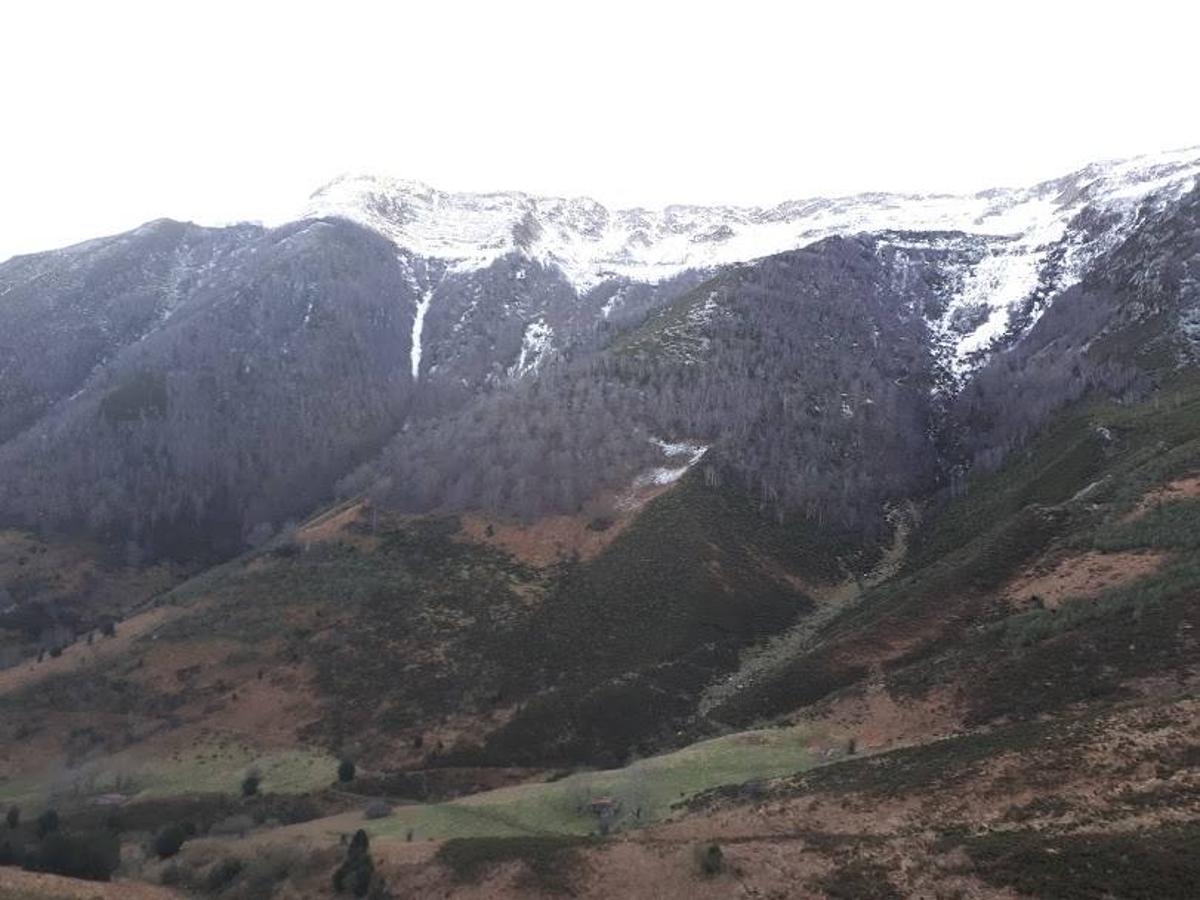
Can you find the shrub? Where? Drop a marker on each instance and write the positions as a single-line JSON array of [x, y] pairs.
[[858, 880], [250, 784], [90, 855], [268, 868], [346, 771], [222, 874], [287, 549], [710, 860], [1148, 864], [234, 825], [47, 823], [169, 840], [174, 875], [356, 872], [377, 809], [11, 852], [550, 861], [287, 809]]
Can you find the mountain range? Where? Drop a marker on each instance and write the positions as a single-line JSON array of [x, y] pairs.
[[252, 369], [559, 521]]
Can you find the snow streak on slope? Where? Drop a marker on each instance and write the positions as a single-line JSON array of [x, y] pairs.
[[591, 243], [535, 345], [670, 474], [417, 329]]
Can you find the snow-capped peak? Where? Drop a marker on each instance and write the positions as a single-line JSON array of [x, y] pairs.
[[1022, 245], [590, 242]]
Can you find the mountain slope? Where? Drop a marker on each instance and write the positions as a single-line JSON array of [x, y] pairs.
[[1040, 239], [724, 465], [232, 397], [327, 340]]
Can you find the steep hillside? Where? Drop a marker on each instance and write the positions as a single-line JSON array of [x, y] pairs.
[[226, 399], [935, 727], [838, 561], [1014, 710], [414, 646], [809, 376], [188, 391]]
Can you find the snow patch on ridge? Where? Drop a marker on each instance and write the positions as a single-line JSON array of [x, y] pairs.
[[670, 474], [535, 347], [1038, 240], [590, 243]]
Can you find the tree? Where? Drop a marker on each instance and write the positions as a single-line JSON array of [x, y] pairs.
[[168, 841], [47, 823], [357, 870], [250, 783], [346, 770], [92, 855], [710, 860]]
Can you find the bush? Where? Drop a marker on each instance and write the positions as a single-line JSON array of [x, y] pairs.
[[250, 784], [47, 823], [91, 855], [169, 840], [237, 825], [346, 771], [356, 872], [174, 875], [858, 880], [222, 874], [1147, 864], [11, 852], [550, 861], [710, 860], [377, 809], [286, 808]]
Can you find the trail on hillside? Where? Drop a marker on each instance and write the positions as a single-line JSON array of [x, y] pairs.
[[831, 601]]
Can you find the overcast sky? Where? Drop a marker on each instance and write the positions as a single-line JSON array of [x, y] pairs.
[[118, 112]]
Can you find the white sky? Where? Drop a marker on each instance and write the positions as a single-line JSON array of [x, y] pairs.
[[118, 112]]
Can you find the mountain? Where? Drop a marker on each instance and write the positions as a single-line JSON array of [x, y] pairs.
[[1028, 239], [814, 549], [184, 389]]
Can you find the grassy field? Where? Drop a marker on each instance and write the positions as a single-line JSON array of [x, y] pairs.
[[650, 786], [212, 769]]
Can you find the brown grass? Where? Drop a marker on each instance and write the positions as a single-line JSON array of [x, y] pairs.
[[18, 885], [81, 655], [1180, 489], [1087, 575]]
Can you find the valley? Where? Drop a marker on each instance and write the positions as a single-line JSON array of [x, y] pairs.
[[843, 548]]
